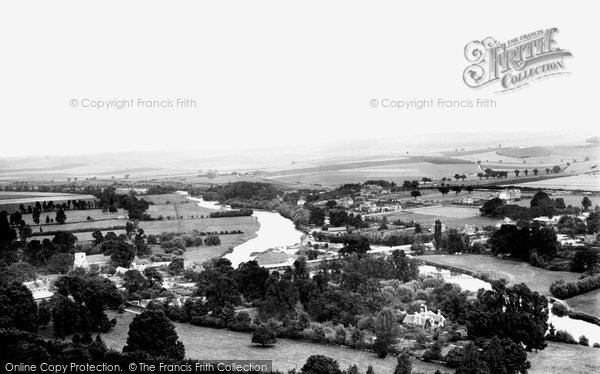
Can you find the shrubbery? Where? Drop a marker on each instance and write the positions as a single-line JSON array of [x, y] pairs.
[[564, 290], [559, 309]]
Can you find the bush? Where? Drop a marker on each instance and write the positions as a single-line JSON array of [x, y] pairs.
[[584, 341], [212, 240], [562, 336], [559, 309], [264, 335]]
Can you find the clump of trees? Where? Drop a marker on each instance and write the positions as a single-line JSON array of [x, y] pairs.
[[564, 290], [232, 213], [537, 245]]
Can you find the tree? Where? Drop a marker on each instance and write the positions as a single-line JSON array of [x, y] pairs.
[[503, 356], [490, 206], [509, 312], [556, 169], [264, 335], [319, 364], [480, 175], [586, 203], [526, 172], [120, 252], [386, 331], [455, 242], [61, 217], [437, 234], [444, 190], [59, 263], [153, 333], [44, 313], [17, 308], [544, 242], [593, 222], [585, 260], [517, 173], [153, 276], [415, 193], [69, 316], [543, 202], [134, 281], [98, 237], [251, 279], [471, 362], [176, 266], [404, 366], [535, 172]]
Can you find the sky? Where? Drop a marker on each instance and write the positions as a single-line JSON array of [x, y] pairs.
[[273, 73]]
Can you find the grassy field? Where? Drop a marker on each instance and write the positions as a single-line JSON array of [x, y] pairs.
[[513, 271], [588, 303], [450, 222], [206, 343], [521, 272], [212, 344], [11, 204], [560, 358], [171, 205], [580, 182]]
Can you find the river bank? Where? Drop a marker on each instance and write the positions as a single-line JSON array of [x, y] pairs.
[[274, 232]]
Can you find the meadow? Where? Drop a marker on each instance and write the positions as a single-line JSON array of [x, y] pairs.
[[171, 205], [513, 271], [206, 343]]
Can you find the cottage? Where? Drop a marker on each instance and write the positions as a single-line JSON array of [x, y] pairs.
[[337, 230], [425, 319]]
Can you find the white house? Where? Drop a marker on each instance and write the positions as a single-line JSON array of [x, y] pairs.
[[425, 318]]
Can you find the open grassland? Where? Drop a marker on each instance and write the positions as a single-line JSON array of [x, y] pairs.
[[560, 358], [206, 344], [588, 303], [394, 170], [450, 222], [169, 205], [448, 211], [211, 344], [574, 199], [513, 271], [587, 182], [12, 204]]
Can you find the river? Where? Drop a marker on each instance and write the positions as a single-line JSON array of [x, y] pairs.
[[278, 232], [275, 231]]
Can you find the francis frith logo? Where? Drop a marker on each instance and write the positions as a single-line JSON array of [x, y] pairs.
[[514, 63]]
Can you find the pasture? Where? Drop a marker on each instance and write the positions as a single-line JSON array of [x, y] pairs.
[[585, 182], [205, 343], [171, 205], [212, 344], [427, 220], [513, 271]]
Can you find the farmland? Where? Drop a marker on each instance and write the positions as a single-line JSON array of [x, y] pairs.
[[178, 215], [430, 217], [207, 343], [212, 344], [587, 182], [514, 272]]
